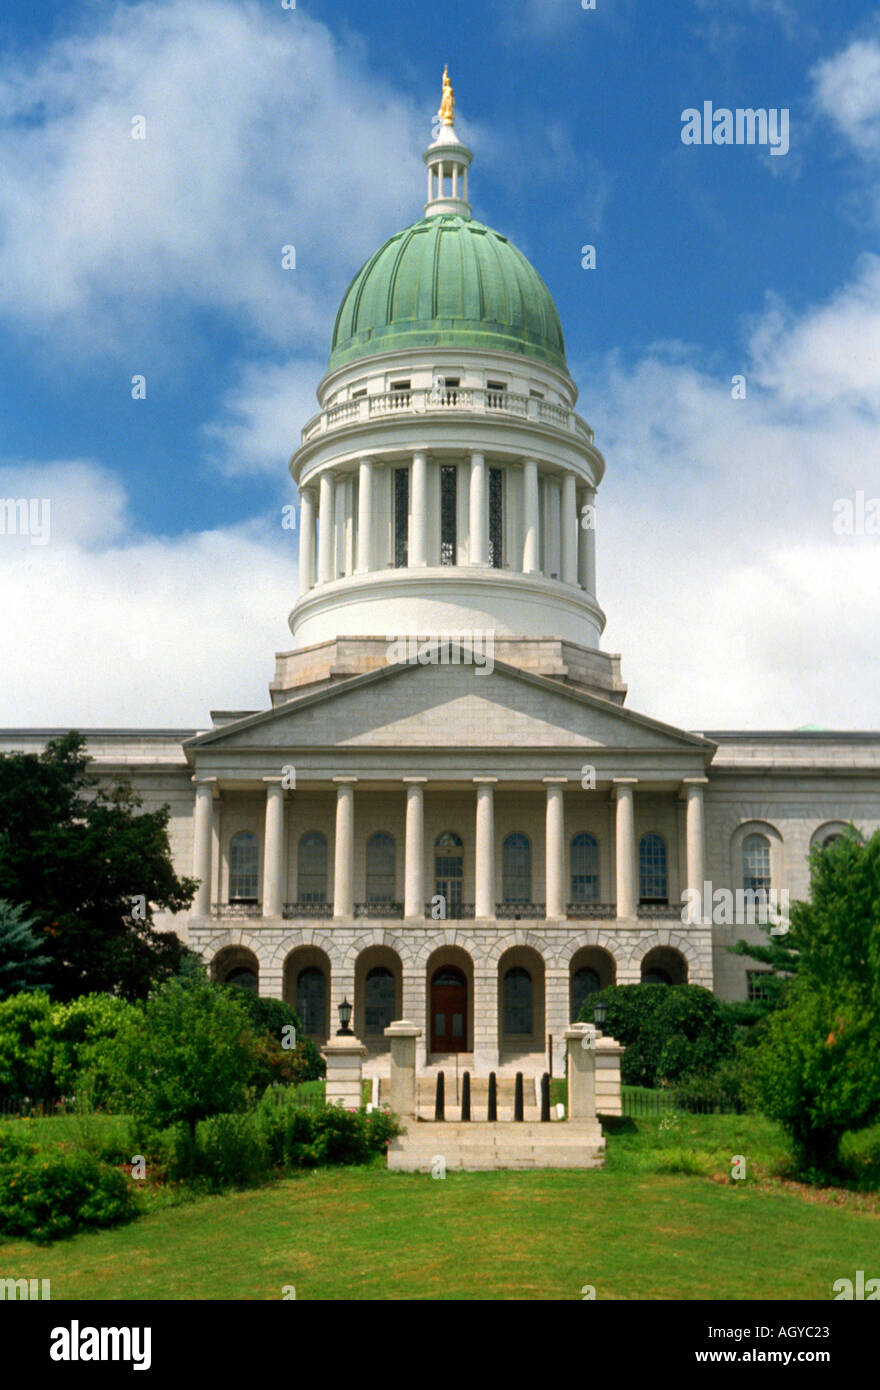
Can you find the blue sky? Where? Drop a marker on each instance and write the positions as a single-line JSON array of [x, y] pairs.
[[167, 583]]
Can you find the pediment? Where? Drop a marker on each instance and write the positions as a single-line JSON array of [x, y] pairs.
[[411, 706]]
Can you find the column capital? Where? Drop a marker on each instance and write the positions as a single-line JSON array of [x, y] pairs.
[[344, 781], [413, 780], [483, 781], [619, 784], [554, 781], [688, 782], [272, 779]]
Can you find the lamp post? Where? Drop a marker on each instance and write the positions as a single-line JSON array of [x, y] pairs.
[[344, 1019], [600, 1013]]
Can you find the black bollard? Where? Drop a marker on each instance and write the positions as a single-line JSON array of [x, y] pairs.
[[493, 1097], [518, 1097], [466, 1096], [440, 1102], [545, 1097]]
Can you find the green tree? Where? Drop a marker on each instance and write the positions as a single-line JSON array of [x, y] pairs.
[[26, 1046], [22, 966], [90, 867], [188, 1054], [816, 1065], [669, 1031]]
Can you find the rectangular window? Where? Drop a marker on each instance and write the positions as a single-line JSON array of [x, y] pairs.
[[757, 989], [357, 394], [537, 395], [400, 385], [496, 518], [401, 517], [448, 506], [495, 391]]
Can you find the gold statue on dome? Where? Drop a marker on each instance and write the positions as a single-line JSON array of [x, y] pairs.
[[447, 104]]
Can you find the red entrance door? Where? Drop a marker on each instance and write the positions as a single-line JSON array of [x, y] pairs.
[[448, 1010]]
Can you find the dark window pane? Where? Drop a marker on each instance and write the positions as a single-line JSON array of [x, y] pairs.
[[448, 513], [401, 517], [496, 518]]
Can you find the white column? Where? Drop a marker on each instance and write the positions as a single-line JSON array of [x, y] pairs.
[[627, 878], [203, 820], [339, 528], [273, 849], [582, 540], [326, 527], [569, 527], [555, 847], [479, 528], [695, 840], [531, 563], [306, 539], [484, 863], [348, 540], [588, 541], [365, 516], [343, 856], [414, 872], [418, 540]]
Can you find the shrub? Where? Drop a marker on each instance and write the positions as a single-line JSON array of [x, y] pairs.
[[860, 1156], [277, 1063], [230, 1151], [46, 1196], [303, 1138], [83, 1033], [668, 1031], [14, 1145], [26, 1046]]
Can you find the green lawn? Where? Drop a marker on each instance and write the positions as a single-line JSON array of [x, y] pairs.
[[662, 1220]]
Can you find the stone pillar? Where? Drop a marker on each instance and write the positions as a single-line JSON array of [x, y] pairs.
[[484, 861], [580, 1040], [345, 1070], [403, 1036], [558, 993], [531, 563], [627, 874], [343, 856], [273, 849], [478, 528], [587, 543], [203, 818], [569, 530], [695, 840], [365, 516], [555, 847], [306, 539], [326, 527], [414, 870], [418, 540], [339, 527], [608, 1057], [486, 989]]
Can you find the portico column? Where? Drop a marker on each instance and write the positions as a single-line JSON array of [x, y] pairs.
[[555, 847], [414, 871], [365, 516], [203, 819], [418, 541], [569, 529], [627, 884], [484, 862], [695, 840], [343, 858], [587, 542], [273, 849], [326, 527], [531, 563], [479, 530], [306, 539]]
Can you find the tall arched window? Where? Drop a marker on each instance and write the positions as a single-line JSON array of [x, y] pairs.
[[584, 869], [312, 868], [243, 859], [652, 869], [449, 869], [516, 869], [756, 866], [830, 839], [378, 999], [517, 999], [311, 994], [243, 977], [380, 868], [584, 982]]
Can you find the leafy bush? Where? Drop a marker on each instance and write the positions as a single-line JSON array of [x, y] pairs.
[[669, 1032], [26, 1046], [269, 1018], [303, 1138], [83, 1033], [14, 1145], [860, 1156], [48, 1195], [229, 1151]]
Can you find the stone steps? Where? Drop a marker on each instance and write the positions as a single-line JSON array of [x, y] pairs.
[[478, 1145]]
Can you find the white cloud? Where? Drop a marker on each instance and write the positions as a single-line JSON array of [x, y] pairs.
[[262, 130], [264, 414], [102, 626], [847, 90]]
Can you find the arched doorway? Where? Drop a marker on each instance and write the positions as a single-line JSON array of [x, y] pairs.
[[306, 989], [378, 995], [449, 1010]]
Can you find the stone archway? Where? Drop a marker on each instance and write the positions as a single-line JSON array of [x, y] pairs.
[[378, 995], [306, 988], [664, 965], [449, 1001], [590, 969], [236, 965], [521, 1002]]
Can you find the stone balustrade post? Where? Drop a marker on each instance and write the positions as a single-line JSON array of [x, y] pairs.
[[402, 1036]]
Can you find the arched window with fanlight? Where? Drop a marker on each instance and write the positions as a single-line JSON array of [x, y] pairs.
[[312, 868], [516, 869], [449, 869], [517, 1002], [243, 867], [584, 869], [380, 868], [653, 884], [378, 999], [756, 867]]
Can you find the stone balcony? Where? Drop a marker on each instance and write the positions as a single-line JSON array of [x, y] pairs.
[[457, 912], [427, 402]]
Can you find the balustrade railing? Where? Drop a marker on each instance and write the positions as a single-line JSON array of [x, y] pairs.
[[307, 910], [527, 910], [607, 910], [384, 909], [423, 401]]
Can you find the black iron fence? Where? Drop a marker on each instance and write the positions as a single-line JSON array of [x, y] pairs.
[[643, 1104]]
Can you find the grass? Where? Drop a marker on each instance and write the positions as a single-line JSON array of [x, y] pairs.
[[662, 1220]]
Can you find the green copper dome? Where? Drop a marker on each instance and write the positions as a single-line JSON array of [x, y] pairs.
[[447, 281]]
